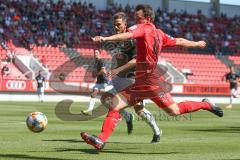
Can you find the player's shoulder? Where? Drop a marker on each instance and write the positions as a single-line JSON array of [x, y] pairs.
[[160, 31], [136, 26], [140, 26]]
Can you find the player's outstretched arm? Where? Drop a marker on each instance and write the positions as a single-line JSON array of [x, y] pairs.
[[116, 37], [190, 44]]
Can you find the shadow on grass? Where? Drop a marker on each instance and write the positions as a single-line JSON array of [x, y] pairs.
[[63, 140], [224, 130], [24, 157], [141, 153], [81, 141], [89, 151], [118, 151]]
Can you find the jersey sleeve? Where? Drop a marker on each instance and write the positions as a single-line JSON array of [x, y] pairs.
[[137, 30], [168, 40]]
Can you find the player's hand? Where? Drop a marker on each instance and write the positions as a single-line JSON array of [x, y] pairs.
[[98, 39], [113, 73], [202, 44]]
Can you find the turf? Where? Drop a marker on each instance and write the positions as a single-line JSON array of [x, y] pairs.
[[200, 136]]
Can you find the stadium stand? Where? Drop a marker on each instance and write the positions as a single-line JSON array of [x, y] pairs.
[[71, 23], [63, 32], [235, 59], [205, 68]]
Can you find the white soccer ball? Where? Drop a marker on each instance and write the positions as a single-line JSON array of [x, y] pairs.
[[36, 122]]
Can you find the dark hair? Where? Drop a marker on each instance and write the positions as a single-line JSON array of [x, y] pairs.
[[120, 15], [96, 49], [147, 11]]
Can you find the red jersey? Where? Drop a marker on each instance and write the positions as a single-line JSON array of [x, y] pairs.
[[150, 83], [149, 43]]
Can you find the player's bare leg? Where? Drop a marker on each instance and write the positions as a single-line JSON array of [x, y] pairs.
[[150, 120], [230, 104], [234, 94]]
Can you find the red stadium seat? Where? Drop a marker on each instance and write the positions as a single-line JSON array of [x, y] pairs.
[[205, 68]]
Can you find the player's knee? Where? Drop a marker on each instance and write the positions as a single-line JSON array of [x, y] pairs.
[[173, 112], [102, 100], [138, 109], [94, 94], [106, 99]]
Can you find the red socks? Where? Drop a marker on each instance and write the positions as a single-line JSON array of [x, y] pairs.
[[113, 117], [110, 122], [191, 106]]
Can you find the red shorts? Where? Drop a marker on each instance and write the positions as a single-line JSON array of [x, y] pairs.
[[149, 85], [136, 94]]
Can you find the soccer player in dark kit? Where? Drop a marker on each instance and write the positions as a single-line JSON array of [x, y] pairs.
[[102, 81], [233, 80], [40, 79], [104, 85]]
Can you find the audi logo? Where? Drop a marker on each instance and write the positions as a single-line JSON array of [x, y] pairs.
[[16, 85]]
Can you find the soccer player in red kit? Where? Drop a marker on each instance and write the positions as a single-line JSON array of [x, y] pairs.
[[149, 83]]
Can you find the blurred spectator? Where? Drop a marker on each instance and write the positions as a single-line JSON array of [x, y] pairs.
[[186, 71], [218, 52], [62, 76], [3, 42], [238, 45], [10, 45], [5, 71], [10, 56]]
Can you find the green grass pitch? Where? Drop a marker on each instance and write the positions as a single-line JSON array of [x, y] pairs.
[[199, 136]]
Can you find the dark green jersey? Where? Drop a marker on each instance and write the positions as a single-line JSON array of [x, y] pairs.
[[232, 78], [98, 65], [125, 52], [40, 80]]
